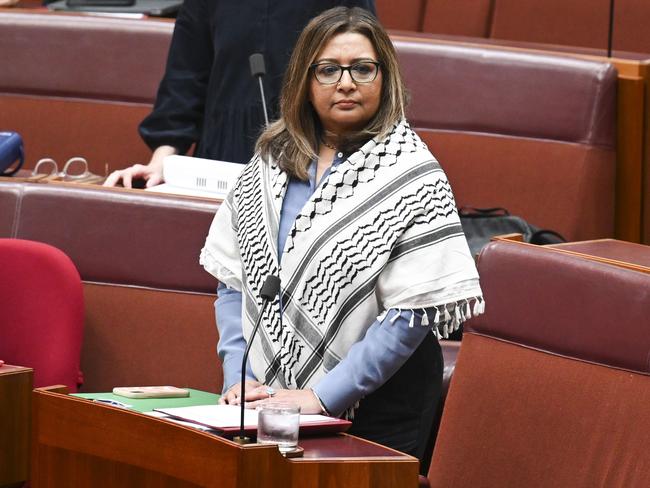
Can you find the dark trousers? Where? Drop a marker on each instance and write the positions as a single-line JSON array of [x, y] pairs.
[[399, 414]]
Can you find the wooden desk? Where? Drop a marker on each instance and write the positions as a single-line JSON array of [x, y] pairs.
[[611, 251], [98, 445], [15, 391]]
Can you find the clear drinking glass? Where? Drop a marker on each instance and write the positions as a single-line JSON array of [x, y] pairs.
[[277, 423]]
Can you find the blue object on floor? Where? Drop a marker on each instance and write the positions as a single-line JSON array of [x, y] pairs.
[[11, 150]]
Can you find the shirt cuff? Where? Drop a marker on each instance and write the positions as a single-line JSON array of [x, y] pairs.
[[232, 371]]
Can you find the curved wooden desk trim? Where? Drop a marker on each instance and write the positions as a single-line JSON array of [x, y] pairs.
[[76, 431]]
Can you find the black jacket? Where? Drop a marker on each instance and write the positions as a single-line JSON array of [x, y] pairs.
[[207, 95]]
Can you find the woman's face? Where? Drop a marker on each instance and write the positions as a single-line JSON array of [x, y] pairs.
[[346, 106]]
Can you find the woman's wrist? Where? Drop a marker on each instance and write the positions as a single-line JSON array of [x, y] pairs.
[[159, 154], [323, 408]]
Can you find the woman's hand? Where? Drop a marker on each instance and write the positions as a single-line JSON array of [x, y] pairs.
[[306, 399], [231, 397], [152, 173]]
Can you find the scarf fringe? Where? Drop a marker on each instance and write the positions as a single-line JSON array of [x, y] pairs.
[[446, 319], [455, 314], [396, 316]]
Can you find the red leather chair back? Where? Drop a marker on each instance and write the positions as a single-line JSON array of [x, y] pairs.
[[577, 23], [567, 22], [513, 129], [550, 381], [460, 17], [404, 15], [86, 93], [41, 312]]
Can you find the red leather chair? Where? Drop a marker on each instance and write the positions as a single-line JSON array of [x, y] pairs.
[[41, 312]]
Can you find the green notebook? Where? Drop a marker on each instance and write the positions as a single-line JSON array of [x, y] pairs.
[[196, 397]]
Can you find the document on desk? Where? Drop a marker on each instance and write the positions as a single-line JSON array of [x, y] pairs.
[[227, 418], [198, 177], [160, 415]]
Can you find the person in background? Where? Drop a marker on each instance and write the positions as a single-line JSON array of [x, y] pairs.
[[347, 206], [207, 96]]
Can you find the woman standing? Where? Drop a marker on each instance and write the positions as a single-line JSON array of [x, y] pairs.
[[348, 207]]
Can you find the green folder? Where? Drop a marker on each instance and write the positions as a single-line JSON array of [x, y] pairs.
[[197, 397]]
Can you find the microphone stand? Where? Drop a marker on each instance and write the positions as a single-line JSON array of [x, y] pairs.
[[269, 291], [610, 34], [258, 70]]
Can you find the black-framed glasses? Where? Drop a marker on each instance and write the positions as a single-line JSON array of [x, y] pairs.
[[329, 73]]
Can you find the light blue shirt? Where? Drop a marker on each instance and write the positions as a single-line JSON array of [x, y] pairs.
[[369, 363]]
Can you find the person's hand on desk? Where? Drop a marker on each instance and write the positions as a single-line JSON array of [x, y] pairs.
[[231, 397], [152, 173], [306, 399]]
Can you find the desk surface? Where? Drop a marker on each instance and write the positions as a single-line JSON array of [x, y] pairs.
[[316, 447], [621, 253], [7, 369], [156, 8], [197, 397]]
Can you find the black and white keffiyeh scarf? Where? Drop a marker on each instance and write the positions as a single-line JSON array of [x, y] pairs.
[[380, 232]]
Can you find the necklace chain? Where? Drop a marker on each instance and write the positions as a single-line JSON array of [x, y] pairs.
[[326, 144]]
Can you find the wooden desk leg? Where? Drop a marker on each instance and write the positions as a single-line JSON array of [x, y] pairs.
[[629, 158], [15, 413]]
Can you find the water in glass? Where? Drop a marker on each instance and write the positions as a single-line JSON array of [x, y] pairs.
[[278, 424]]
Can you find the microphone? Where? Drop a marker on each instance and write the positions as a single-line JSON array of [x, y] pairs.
[[258, 70], [269, 291]]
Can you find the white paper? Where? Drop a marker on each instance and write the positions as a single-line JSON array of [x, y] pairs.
[[224, 416], [160, 415], [207, 178]]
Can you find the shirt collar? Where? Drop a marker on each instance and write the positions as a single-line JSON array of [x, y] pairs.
[[339, 157]]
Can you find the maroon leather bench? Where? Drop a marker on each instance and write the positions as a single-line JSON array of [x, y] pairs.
[[550, 381], [75, 85], [460, 17], [533, 133], [149, 304], [549, 24]]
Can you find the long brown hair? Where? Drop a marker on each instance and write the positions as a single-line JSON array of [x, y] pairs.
[[293, 140]]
